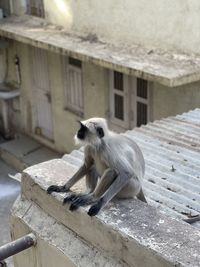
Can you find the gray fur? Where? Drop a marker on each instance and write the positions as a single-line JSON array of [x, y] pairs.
[[115, 158]]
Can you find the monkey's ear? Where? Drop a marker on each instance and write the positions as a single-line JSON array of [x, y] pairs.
[[100, 132], [81, 124]]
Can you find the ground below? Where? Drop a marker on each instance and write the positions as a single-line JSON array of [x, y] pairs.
[[9, 190]]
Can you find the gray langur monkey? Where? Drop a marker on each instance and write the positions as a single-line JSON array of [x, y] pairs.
[[112, 157]]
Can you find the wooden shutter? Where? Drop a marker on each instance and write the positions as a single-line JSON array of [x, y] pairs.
[[142, 102], [119, 98]]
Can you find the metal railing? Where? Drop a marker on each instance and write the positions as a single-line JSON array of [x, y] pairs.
[[16, 246]]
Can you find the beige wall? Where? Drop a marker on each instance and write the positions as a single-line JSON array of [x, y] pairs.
[[171, 101], [161, 23], [165, 101], [64, 121]]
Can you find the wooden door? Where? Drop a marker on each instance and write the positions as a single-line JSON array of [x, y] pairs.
[[41, 101]]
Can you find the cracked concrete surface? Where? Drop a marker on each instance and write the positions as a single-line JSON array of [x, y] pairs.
[[129, 230]]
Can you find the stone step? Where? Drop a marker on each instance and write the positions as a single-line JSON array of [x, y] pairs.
[[23, 152]]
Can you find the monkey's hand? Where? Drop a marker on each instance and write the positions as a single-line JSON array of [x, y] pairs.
[[56, 188], [94, 209], [78, 200]]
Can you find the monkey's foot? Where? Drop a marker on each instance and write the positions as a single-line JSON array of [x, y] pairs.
[[94, 209], [56, 188]]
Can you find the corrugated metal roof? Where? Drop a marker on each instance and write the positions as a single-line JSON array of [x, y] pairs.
[[171, 149]]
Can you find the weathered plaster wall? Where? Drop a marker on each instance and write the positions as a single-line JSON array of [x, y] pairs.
[[19, 7], [64, 121], [171, 101], [23, 52], [161, 23], [95, 83], [59, 12], [11, 76], [165, 101]]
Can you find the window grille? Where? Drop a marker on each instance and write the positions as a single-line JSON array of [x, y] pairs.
[[142, 86], [129, 100], [73, 88], [142, 101], [118, 95]]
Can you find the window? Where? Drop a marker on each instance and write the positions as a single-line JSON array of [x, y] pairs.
[[73, 89], [118, 97], [129, 100], [35, 8], [5, 5], [142, 101]]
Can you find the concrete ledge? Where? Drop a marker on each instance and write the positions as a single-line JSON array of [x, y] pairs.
[[130, 231], [24, 151], [168, 68], [56, 245]]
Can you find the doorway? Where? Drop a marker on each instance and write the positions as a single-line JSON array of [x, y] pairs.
[[41, 95]]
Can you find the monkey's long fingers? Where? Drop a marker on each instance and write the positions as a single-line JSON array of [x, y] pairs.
[[94, 209], [83, 200], [56, 188], [69, 198]]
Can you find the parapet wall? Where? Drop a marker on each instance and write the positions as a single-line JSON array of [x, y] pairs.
[[125, 233], [152, 23]]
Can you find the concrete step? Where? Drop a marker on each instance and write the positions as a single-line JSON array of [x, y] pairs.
[[23, 152]]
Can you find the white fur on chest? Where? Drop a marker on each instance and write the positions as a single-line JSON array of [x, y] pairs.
[[100, 166]]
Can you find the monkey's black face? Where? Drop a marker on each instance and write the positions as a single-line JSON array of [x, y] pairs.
[[89, 133], [82, 132]]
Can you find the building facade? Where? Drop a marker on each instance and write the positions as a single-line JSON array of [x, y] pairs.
[[70, 60]]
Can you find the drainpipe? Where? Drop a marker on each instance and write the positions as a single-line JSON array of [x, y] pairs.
[[17, 246]]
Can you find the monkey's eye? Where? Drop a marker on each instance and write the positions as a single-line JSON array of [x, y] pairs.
[[100, 132]]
